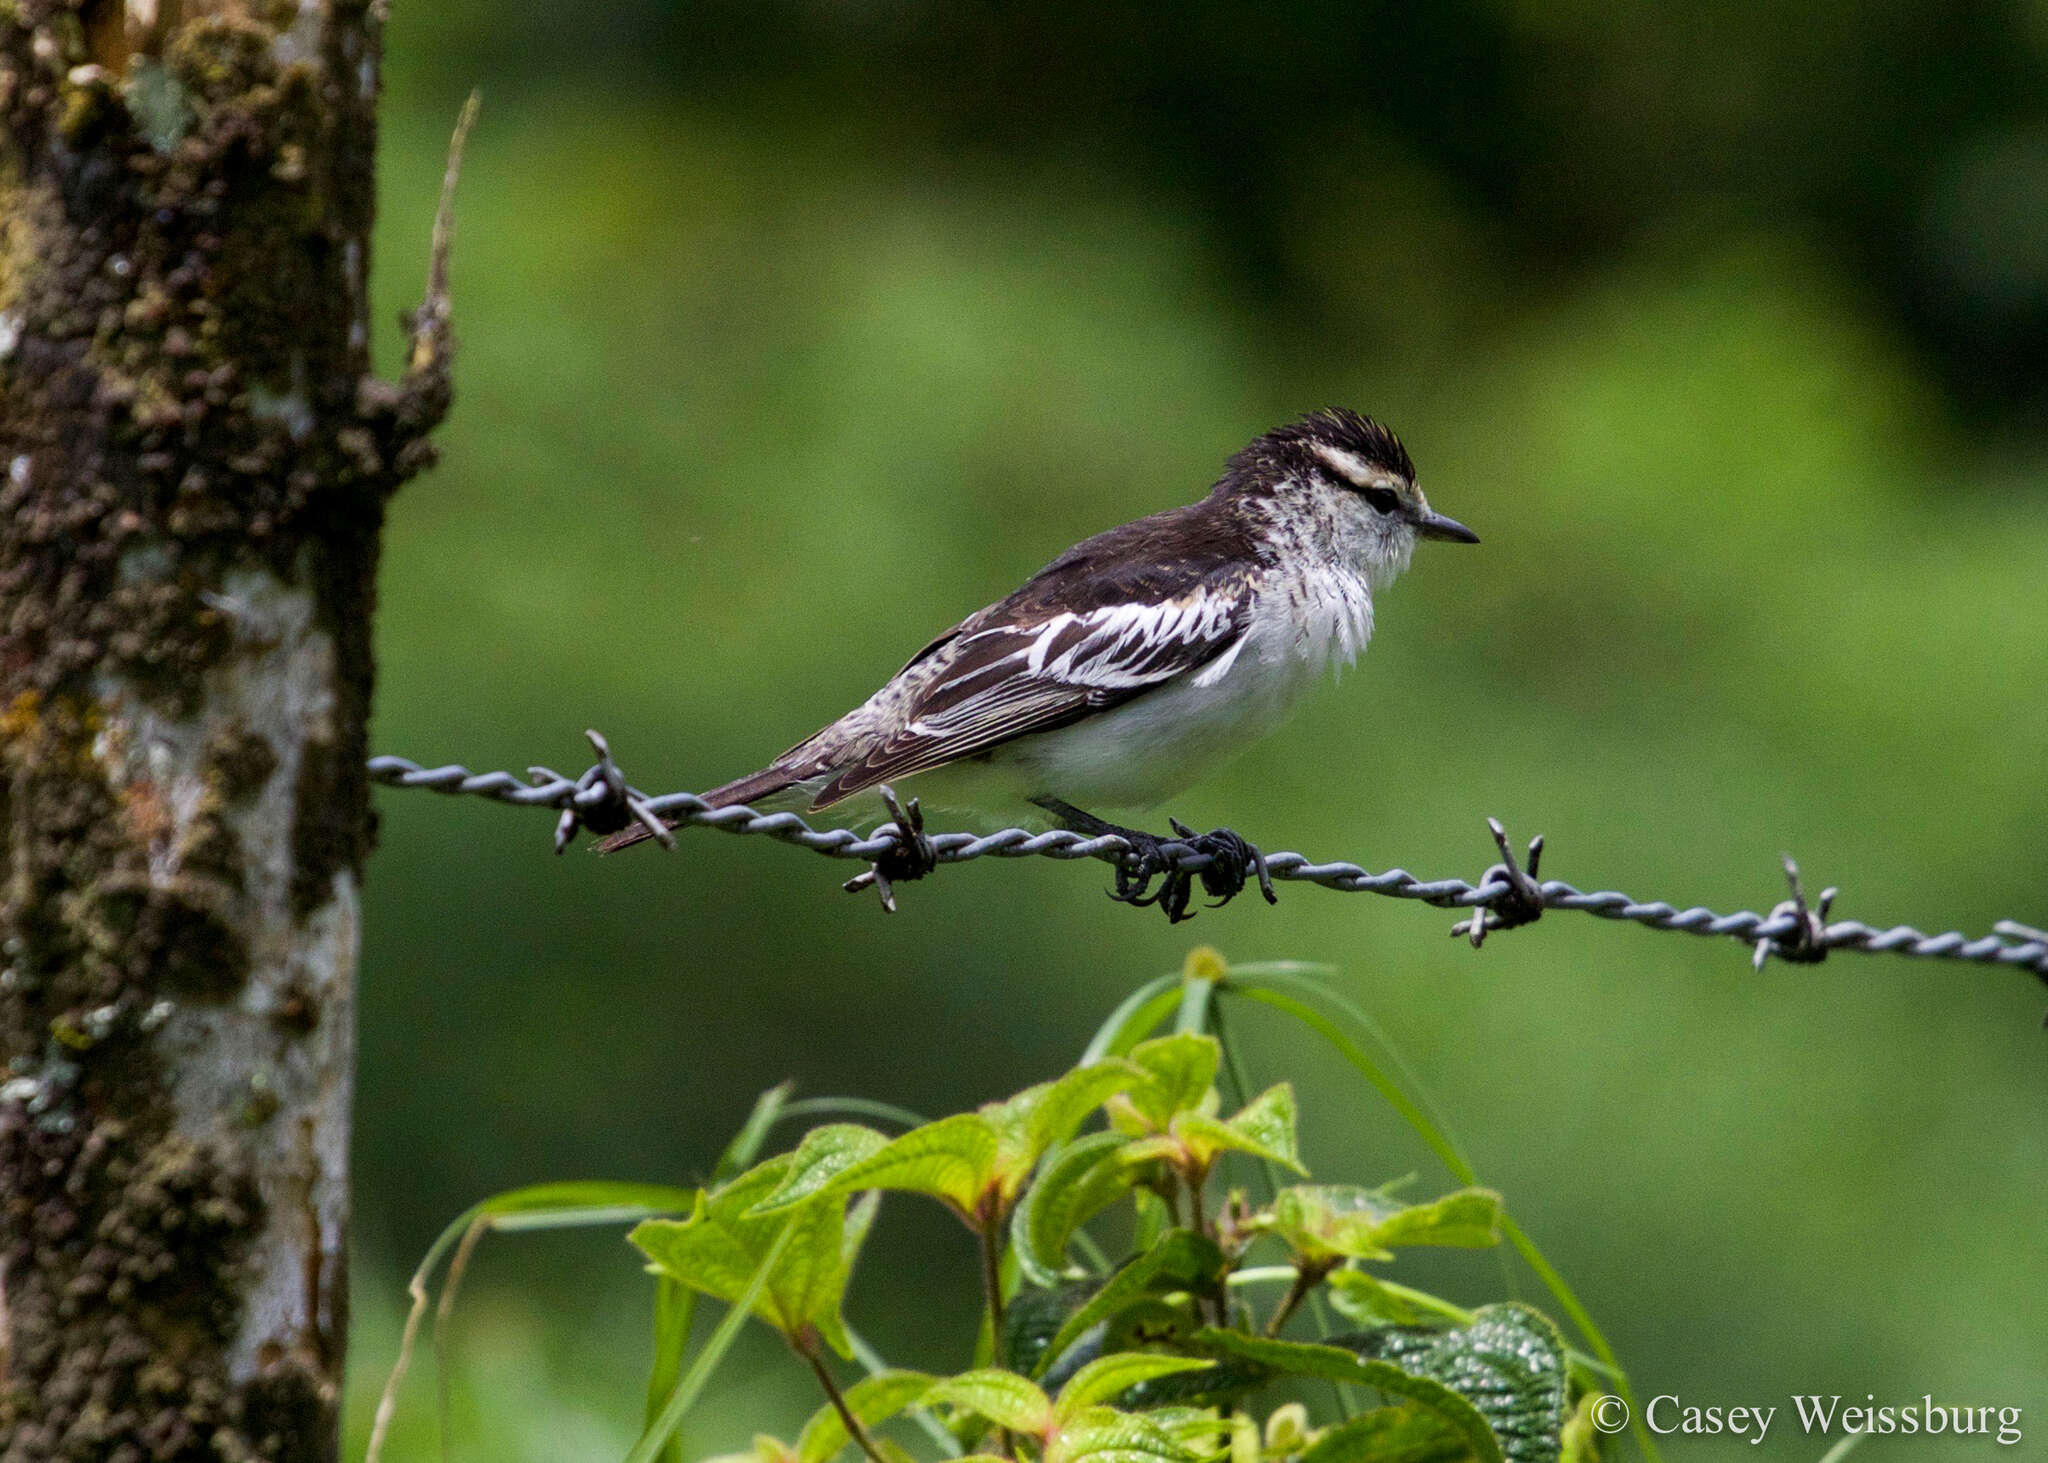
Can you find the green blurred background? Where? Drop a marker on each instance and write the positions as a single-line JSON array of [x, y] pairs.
[[793, 331]]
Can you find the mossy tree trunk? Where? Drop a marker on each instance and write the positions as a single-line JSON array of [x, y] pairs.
[[194, 459]]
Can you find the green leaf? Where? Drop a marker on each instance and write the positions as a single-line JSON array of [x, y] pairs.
[[1469, 1219], [1038, 1117], [1370, 1301], [1077, 1183], [1182, 1260], [1333, 1221], [1109, 1377], [1004, 1398], [819, 1160], [1179, 1071], [720, 1246], [1409, 1433], [952, 1160], [1104, 1435], [1268, 990], [1200, 1426], [1032, 1318], [691, 1383], [1509, 1362], [1335, 1364], [1153, 1219], [1135, 1016], [1264, 1128], [872, 1400]]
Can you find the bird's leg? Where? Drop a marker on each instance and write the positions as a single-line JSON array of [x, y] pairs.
[[1233, 862]]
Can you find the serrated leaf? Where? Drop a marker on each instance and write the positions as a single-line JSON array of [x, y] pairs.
[[1264, 1128], [1468, 1219], [820, 1159], [1109, 1377], [1182, 1260], [1409, 1433], [952, 1160], [717, 1249], [1030, 1123], [1509, 1363], [1179, 1071], [1323, 1222], [1266, 1125], [1197, 1425], [1332, 1221], [1032, 1318], [1104, 1435], [1079, 1182], [1004, 1398], [872, 1400], [1336, 1364]]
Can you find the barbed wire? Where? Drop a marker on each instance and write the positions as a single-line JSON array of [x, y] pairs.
[[1507, 895]]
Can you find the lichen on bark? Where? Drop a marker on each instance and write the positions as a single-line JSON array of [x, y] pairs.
[[194, 459]]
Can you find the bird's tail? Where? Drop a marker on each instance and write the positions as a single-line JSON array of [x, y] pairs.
[[755, 785]]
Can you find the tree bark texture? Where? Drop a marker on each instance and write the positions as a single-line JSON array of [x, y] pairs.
[[194, 459]]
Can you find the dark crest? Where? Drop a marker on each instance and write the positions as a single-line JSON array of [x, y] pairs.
[[1288, 450]]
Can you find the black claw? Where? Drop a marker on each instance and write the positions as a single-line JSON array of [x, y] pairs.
[[1233, 862]]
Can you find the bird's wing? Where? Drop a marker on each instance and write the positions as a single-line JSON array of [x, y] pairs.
[[1024, 667]]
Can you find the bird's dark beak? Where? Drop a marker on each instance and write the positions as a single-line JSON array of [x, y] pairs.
[[1435, 525]]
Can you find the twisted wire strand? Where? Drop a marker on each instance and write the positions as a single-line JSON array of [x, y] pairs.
[[1790, 930]]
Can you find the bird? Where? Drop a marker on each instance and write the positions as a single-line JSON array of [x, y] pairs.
[[1136, 661]]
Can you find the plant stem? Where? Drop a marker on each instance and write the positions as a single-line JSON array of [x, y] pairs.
[[854, 1430], [992, 1282], [1306, 1278]]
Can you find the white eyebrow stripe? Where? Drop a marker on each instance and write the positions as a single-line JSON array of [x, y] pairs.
[[1350, 464]]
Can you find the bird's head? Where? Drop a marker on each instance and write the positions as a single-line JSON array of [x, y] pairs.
[[1348, 483]]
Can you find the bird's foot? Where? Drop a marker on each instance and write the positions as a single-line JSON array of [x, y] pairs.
[[1234, 861], [910, 857]]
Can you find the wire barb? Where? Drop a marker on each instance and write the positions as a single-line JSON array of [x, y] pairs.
[[600, 800], [1508, 896], [1520, 900], [909, 856], [1806, 942]]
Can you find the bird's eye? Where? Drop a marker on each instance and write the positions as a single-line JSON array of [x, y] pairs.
[[1383, 500]]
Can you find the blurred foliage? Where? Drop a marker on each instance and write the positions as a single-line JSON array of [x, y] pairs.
[[792, 333]]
